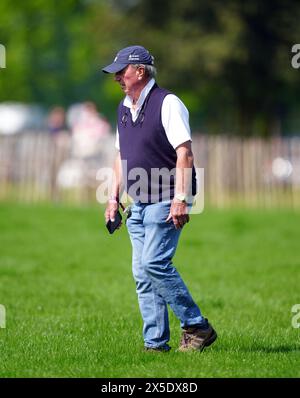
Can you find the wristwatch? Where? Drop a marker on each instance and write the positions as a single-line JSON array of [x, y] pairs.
[[181, 197]]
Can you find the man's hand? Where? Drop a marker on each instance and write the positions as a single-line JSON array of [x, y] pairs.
[[111, 210], [178, 213]]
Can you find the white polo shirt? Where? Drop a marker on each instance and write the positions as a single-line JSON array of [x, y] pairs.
[[174, 116]]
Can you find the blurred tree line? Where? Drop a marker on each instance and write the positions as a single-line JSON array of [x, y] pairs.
[[230, 61]]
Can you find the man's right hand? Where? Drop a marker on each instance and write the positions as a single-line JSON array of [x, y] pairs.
[[111, 210]]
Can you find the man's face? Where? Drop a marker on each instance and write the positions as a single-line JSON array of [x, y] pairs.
[[129, 79]]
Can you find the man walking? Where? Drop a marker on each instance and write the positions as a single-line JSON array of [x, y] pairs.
[[153, 136]]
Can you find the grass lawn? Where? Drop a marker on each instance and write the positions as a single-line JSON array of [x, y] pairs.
[[71, 307]]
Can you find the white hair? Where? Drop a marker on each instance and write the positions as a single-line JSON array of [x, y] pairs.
[[150, 70]]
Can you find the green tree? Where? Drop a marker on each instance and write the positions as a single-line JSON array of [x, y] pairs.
[[48, 51], [229, 61]]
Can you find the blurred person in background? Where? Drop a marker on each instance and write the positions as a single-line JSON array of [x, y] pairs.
[[153, 132], [56, 121], [56, 126], [89, 129]]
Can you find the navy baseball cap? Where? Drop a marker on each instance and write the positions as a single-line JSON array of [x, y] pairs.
[[129, 55]]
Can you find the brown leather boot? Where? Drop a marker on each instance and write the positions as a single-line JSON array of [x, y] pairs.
[[193, 338]]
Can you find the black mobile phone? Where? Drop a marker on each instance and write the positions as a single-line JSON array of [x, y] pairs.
[[113, 225]]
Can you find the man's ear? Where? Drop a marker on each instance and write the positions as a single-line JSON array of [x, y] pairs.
[[140, 72]]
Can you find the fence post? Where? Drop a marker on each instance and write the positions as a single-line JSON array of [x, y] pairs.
[[2, 317], [2, 56]]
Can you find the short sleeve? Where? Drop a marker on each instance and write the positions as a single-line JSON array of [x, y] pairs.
[[175, 120]]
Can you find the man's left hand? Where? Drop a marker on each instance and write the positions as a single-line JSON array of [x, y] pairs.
[[178, 213]]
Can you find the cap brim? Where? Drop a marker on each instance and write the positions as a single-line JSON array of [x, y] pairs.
[[114, 68]]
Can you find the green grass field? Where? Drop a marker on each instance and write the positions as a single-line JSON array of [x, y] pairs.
[[71, 307]]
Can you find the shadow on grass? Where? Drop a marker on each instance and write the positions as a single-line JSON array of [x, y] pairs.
[[276, 349], [284, 348], [272, 349]]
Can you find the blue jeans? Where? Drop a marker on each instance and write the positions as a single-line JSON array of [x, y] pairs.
[[158, 283]]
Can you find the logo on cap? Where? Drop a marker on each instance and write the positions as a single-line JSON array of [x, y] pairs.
[[133, 57]]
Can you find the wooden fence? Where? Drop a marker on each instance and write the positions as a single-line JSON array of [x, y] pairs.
[[251, 172], [245, 172]]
